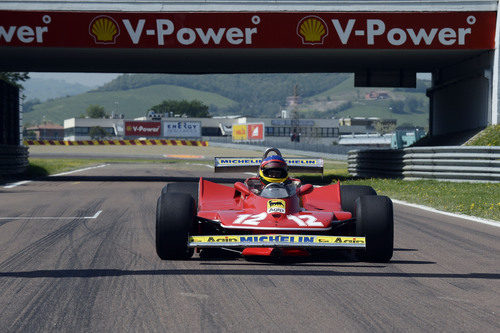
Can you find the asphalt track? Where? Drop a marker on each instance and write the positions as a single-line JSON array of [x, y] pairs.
[[77, 254]]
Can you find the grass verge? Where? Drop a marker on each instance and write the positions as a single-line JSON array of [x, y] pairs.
[[40, 167], [476, 199], [490, 136]]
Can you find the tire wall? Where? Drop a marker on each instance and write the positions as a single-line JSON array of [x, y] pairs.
[[13, 156]]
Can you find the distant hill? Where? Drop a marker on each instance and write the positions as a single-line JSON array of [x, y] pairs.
[[323, 95], [344, 100], [45, 89], [132, 103]]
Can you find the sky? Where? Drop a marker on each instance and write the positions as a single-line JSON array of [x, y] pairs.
[[87, 79]]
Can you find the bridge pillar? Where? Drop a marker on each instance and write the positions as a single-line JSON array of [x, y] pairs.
[[461, 98], [13, 155]]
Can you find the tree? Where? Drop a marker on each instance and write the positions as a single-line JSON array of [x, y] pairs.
[[29, 104], [397, 106], [384, 127], [96, 111], [97, 132], [413, 104], [14, 78], [189, 108]]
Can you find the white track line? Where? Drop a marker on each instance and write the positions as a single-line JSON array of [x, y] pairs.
[[17, 184], [58, 174], [78, 170], [52, 218], [465, 217]]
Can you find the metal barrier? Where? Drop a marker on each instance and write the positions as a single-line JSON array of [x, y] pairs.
[[473, 163], [13, 159]]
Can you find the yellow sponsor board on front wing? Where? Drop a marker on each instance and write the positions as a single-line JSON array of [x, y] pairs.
[[299, 240]]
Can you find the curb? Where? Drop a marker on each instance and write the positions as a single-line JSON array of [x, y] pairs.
[[151, 142]]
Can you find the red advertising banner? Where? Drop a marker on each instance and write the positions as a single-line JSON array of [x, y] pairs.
[[343, 30], [143, 128], [255, 132]]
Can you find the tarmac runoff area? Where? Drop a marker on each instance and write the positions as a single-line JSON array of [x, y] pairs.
[[142, 152]]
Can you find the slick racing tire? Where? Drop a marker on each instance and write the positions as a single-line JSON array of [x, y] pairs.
[[375, 221], [190, 188], [175, 217], [349, 194]]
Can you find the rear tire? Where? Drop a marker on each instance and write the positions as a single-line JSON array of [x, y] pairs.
[[349, 194], [190, 188], [375, 221], [175, 218]]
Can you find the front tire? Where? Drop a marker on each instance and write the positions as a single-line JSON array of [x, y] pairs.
[[175, 218], [375, 221], [190, 188], [349, 194]]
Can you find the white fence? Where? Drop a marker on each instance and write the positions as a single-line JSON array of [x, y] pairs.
[[473, 163]]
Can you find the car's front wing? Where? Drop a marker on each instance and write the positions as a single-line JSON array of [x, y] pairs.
[[278, 240]]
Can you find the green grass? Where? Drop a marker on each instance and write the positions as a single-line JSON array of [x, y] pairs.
[[133, 103], [490, 136], [476, 199]]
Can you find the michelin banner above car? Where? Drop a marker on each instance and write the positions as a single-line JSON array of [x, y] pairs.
[[251, 164], [181, 129]]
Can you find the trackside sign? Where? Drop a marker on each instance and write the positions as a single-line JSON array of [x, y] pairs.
[[181, 129], [143, 128], [392, 30]]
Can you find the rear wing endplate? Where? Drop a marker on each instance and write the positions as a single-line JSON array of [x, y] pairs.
[[251, 164]]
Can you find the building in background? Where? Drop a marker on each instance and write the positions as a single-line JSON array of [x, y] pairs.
[[321, 131], [79, 128], [46, 131]]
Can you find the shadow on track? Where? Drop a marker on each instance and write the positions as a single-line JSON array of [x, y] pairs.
[[92, 273]]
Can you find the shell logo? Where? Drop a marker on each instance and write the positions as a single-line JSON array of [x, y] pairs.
[[312, 30], [104, 29]]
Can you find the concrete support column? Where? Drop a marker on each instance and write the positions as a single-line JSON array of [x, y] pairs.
[[461, 96], [9, 114]]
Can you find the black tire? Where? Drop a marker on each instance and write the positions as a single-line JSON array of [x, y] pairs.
[[175, 217], [375, 221], [349, 194], [190, 188]]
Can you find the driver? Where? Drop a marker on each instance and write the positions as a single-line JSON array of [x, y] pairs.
[[273, 169]]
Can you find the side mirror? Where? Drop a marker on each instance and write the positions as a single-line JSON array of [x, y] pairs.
[[305, 189], [239, 186]]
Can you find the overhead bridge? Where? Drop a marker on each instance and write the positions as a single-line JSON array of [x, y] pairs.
[[385, 43]]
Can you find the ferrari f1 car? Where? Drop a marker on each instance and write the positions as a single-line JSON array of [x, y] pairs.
[[278, 219]]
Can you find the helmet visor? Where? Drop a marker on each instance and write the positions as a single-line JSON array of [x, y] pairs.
[[275, 172]]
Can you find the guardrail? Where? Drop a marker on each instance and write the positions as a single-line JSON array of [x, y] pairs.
[[13, 159], [473, 163]]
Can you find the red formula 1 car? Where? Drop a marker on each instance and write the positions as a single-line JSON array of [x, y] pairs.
[[279, 219]]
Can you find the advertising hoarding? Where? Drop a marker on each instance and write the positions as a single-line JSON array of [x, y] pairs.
[[142, 128], [256, 132], [330, 30], [181, 129], [248, 132], [240, 133]]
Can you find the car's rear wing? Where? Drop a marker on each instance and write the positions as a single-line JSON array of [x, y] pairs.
[[251, 164]]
